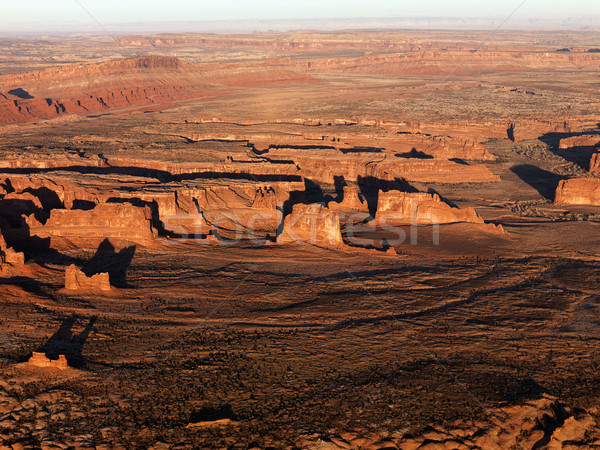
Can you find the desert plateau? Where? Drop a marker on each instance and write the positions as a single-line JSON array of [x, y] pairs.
[[375, 239]]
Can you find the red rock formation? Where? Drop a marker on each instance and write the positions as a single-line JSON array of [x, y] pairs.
[[595, 164], [40, 360], [436, 63], [351, 200], [578, 191], [460, 131], [146, 80], [439, 147], [239, 211], [432, 171], [195, 167], [324, 164], [109, 220], [312, 224], [396, 207], [314, 41], [584, 140], [76, 280], [9, 255], [187, 207]]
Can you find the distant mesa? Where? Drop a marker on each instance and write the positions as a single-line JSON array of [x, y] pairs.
[[130, 82]]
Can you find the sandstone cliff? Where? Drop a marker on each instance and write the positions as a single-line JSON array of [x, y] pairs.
[[41, 360], [438, 147], [584, 140], [109, 220], [461, 132], [188, 207], [76, 280], [312, 224], [578, 191], [595, 164], [352, 200], [420, 208], [325, 164], [126, 83], [9, 255]]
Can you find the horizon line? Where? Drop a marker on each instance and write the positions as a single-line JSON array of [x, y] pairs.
[[288, 25]]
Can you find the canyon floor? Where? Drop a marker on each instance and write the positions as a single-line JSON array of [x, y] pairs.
[[300, 240]]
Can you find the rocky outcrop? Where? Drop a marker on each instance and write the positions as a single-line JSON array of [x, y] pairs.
[[23, 110], [438, 147], [76, 280], [41, 360], [583, 140], [578, 191], [431, 171], [325, 164], [312, 224], [395, 207], [10, 256], [109, 220], [352, 200], [595, 164], [189, 207]]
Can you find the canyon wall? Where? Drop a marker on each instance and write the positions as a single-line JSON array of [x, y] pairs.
[[108, 220], [459, 131], [312, 224], [584, 140], [352, 200], [595, 164], [395, 207], [438, 147], [578, 191], [9, 256], [127, 83]]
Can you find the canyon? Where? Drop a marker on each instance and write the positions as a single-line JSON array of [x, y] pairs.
[[374, 239]]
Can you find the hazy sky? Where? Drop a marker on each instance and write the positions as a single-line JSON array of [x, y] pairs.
[[28, 12]]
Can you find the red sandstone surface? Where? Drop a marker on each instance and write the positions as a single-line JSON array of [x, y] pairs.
[[126, 83], [300, 240], [40, 360], [76, 280], [578, 191]]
